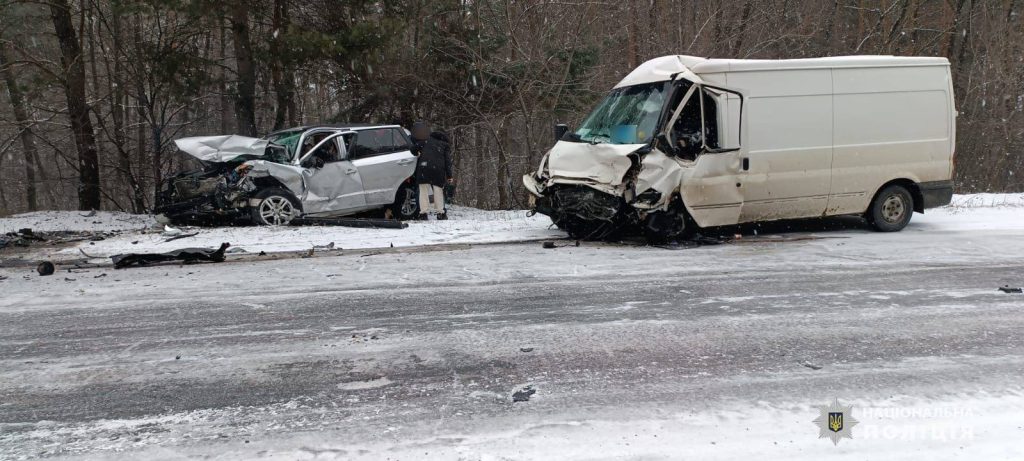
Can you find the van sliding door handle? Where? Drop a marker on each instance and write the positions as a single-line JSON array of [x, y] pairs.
[[746, 164]]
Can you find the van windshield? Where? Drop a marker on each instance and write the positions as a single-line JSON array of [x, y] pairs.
[[628, 115]]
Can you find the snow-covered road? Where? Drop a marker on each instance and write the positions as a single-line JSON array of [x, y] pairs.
[[715, 352]]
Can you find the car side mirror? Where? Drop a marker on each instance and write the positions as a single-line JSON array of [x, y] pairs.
[[560, 130]]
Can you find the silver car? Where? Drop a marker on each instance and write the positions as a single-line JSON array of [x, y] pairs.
[[317, 171]]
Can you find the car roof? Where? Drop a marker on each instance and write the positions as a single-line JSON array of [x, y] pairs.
[[350, 126]]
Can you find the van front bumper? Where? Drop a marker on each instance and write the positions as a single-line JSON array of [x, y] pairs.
[[936, 193]]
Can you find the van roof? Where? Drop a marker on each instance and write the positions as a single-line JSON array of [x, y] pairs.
[[663, 68]]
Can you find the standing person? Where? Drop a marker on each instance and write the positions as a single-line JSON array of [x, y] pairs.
[[433, 170]]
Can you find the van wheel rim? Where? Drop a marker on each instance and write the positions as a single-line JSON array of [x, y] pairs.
[[408, 204], [276, 210], [893, 209]]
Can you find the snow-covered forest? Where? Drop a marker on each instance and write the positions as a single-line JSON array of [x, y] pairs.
[[95, 91]]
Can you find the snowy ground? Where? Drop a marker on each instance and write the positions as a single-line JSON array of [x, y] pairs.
[[635, 352], [141, 234]]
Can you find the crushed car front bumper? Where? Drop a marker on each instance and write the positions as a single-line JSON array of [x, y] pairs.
[[203, 196]]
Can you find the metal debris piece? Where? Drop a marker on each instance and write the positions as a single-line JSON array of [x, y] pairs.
[[181, 236], [188, 255], [811, 365], [524, 394], [525, 349], [548, 244], [1007, 289]]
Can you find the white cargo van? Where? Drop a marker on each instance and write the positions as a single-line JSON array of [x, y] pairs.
[[684, 141]]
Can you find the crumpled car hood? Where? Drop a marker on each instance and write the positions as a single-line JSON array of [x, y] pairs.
[[604, 164], [220, 149]]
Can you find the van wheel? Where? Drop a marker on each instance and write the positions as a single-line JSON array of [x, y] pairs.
[[891, 210], [406, 205], [277, 207]]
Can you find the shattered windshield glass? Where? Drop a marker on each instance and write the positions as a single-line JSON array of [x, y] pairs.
[[288, 139], [627, 115]]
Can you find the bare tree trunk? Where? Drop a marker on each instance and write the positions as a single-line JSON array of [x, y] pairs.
[[78, 109], [633, 48], [280, 70], [245, 94], [741, 29], [222, 85], [479, 186], [116, 85], [24, 127]]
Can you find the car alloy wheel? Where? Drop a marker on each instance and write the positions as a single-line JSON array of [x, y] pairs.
[[276, 210]]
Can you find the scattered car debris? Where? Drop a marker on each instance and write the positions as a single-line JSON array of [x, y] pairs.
[[329, 246], [1007, 289], [524, 394], [188, 255], [548, 244], [525, 349], [87, 255], [45, 268], [811, 365], [3, 277], [181, 236]]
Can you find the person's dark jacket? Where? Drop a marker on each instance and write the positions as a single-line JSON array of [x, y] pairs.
[[434, 166]]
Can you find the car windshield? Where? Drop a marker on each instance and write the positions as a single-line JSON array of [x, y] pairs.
[[288, 139], [628, 115]]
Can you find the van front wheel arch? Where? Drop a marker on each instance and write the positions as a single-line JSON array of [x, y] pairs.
[[891, 209]]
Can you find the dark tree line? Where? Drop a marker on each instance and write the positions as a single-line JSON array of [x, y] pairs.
[[95, 91]]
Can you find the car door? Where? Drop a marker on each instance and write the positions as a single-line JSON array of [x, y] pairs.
[[333, 187], [708, 119], [384, 159]]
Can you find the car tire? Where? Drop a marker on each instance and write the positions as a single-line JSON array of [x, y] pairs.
[[406, 205], [277, 207], [891, 209]]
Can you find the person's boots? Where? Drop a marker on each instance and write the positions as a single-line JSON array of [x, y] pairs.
[[443, 216], [422, 217]]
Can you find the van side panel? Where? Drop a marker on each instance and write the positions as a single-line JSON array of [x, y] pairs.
[[789, 142], [889, 123]]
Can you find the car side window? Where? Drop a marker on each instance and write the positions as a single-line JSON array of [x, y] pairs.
[[380, 141]]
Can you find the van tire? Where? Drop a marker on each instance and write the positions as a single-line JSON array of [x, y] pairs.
[[891, 209], [273, 202]]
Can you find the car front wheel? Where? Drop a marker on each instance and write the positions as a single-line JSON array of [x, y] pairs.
[[277, 207], [406, 205]]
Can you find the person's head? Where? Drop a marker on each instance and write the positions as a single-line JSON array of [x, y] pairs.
[[420, 130]]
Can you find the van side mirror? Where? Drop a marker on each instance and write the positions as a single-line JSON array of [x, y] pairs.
[[560, 130], [662, 143]]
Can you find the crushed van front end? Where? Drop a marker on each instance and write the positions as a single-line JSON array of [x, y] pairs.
[[603, 191]]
